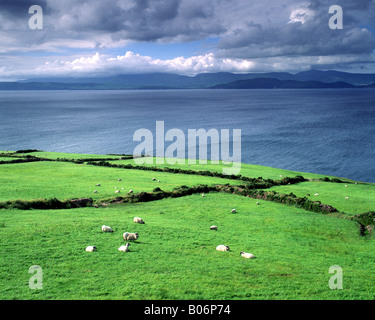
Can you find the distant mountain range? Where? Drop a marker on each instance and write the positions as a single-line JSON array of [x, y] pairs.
[[221, 80]]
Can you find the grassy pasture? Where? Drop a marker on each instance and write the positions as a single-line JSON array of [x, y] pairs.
[[247, 170], [361, 196], [175, 256], [64, 155], [62, 180]]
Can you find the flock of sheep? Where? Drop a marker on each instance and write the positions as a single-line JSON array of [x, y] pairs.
[[134, 236], [317, 194], [126, 235], [118, 190], [222, 247]]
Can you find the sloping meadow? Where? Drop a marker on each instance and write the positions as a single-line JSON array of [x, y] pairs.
[[295, 242], [175, 256]]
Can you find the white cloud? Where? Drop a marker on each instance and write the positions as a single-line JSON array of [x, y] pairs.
[[251, 36], [100, 65], [301, 15], [130, 62]]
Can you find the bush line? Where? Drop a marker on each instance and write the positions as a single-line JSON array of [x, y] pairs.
[[267, 183], [45, 204], [250, 190]]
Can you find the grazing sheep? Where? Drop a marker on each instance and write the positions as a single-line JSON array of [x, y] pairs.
[[213, 228], [124, 248], [119, 179], [233, 211], [202, 194], [153, 179], [117, 191], [346, 185], [130, 236], [346, 197], [122, 188], [222, 248], [130, 191], [247, 255], [95, 191], [258, 203], [98, 185], [90, 248], [138, 220], [316, 194], [106, 228], [115, 187], [158, 180]]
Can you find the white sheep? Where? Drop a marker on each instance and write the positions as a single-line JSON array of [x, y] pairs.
[[316, 194], [346, 185], [153, 179], [213, 228], [98, 185], [202, 194], [258, 203], [95, 191], [117, 191], [138, 220], [91, 248], [346, 197], [130, 191], [233, 211], [119, 179], [130, 236], [221, 247], [247, 255], [124, 248], [106, 228]]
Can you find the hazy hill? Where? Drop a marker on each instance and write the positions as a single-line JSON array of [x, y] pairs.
[[306, 79], [265, 83]]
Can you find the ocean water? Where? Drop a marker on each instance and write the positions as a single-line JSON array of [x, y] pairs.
[[329, 131]]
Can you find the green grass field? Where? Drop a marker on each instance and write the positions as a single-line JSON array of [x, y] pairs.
[[247, 170], [40, 180], [175, 256], [64, 155], [361, 197]]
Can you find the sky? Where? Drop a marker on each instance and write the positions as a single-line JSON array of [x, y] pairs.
[[86, 38]]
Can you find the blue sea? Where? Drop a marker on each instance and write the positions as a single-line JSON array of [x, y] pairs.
[[328, 131]]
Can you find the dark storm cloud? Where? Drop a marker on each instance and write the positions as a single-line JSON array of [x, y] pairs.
[[141, 20], [272, 35], [19, 8], [312, 37]]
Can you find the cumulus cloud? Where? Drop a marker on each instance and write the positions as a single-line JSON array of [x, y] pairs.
[[305, 33], [280, 35], [105, 65], [301, 15]]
